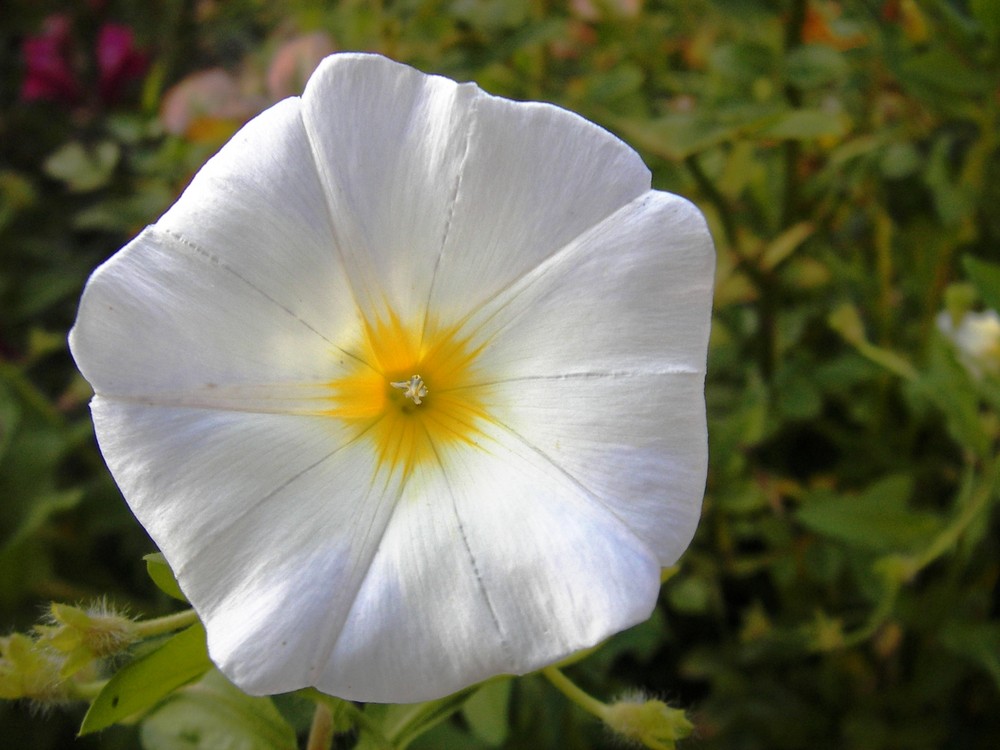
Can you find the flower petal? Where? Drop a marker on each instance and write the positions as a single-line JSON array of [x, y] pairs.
[[164, 322], [633, 294], [257, 209], [637, 443], [494, 562], [235, 285], [600, 365], [389, 142], [491, 563], [268, 521], [439, 184], [536, 176]]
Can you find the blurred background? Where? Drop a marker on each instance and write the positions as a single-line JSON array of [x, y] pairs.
[[842, 589]]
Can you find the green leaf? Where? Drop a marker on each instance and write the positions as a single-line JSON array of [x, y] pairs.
[[402, 724], [986, 277], [805, 124], [878, 519], [690, 595], [42, 507], [487, 711], [679, 135], [83, 169], [149, 679], [987, 12], [675, 137], [953, 199], [163, 576], [945, 383], [900, 160], [977, 641], [616, 83], [213, 714], [10, 415], [744, 61], [940, 76], [814, 65]]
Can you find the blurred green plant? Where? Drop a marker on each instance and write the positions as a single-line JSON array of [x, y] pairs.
[[842, 588]]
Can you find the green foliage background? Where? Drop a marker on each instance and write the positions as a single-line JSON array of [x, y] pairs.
[[841, 591]]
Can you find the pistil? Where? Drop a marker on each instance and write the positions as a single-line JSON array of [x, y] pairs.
[[413, 388]]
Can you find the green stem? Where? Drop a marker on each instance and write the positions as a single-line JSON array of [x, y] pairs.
[[875, 620], [166, 624], [951, 533], [901, 569], [341, 709], [568, 688], [30, 394], [716, 198], [321, 731], [793, 39]]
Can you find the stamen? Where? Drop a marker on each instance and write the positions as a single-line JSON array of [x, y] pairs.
[[413, 388]]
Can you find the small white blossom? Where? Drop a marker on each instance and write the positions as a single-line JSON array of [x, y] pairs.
[[408, 385], [976, 337]]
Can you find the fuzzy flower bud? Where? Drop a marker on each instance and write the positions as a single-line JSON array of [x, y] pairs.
[[651, 723], [29, 670], [85, 635]]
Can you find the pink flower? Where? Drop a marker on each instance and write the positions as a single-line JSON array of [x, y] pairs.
[[119, 62], [49, 71], [207, 96], [52, 65]]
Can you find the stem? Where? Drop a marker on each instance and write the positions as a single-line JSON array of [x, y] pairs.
[[30, 394], [884, 274], [875, 620], [342, 709], [793, 39], [716, 198], [950, 535], [166, 624], [978, 501], [321, 731], [568, 688]]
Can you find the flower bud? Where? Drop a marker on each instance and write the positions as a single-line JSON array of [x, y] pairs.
[[29, 670], [652, 723], [85, 635], [976, 336]]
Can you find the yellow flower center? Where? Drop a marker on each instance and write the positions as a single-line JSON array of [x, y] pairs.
[[409, 392]]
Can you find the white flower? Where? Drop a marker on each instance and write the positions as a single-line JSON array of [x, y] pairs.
[[976, 337], [390, 238]]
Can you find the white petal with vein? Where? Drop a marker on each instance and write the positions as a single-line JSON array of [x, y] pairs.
[[270, 527], [494, 562]]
